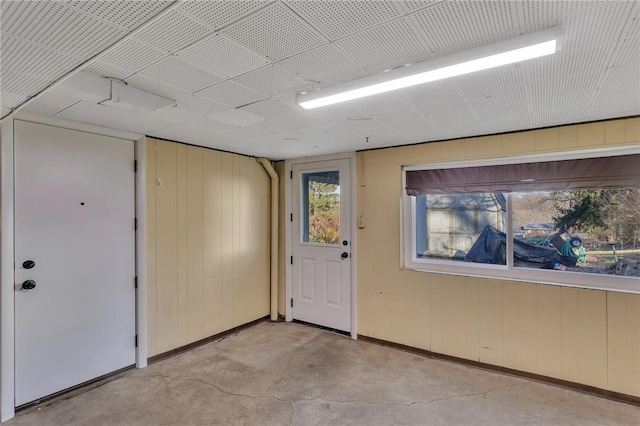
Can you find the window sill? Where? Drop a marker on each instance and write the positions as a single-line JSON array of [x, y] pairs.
[[535, 276]]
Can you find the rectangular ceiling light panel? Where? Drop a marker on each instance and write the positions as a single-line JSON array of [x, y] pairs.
[[510, 51]]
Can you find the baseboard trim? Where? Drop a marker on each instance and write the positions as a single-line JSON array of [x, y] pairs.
[[592, 390], [187, 347]]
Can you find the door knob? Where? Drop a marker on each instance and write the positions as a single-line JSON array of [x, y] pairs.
[[28, 264], [29, 285], [344, 255]]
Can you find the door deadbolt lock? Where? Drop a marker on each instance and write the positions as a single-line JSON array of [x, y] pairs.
[[344, 255], [28, 264], [345, 242], [29, 285]]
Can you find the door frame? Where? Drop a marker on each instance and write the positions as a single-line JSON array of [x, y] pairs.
[[288, 237], [7, 279]]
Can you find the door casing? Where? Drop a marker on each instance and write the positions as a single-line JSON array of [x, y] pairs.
[[289, 230], [7, 278]]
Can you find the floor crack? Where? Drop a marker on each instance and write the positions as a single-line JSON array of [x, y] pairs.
[[292, 402]]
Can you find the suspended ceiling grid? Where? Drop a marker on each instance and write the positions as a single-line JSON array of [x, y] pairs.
[[234, 67]]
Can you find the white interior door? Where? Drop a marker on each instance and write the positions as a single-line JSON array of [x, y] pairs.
[[322, 244], [74, 219]]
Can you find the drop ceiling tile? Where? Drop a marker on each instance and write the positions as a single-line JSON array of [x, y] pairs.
[[337, 19], [107, 70], [429, 92], [218, 14], [340, 112], [107, 113], [385, 102], [132, 55], [396, 117], [331, 131], [378, 134], [269, 108], [628, 52], [415, 5], [156, 87], [452, 23], [617, 109], [633, 29], [537, 11], [174, 114], [231, 93], [83, 117], [457, 124], [490, 80], [275, 32], [31, 59], [172, 32], [385, 46], [237, 117], [322, 66], [419, 131], [502, 126], [627, 76], [569, 62], [475, 43], [53, 25], [617, 83], [222, 56], [139, 123], [179, 132], [442, 107], [271, 80], [18, 83], [124, 14], [10, 100], [299, 120], [567, 109], [56, 100], [174, 72], [595, 26], [200, 106], [210, 125], [265, 128], [565, 85], [41, 109]]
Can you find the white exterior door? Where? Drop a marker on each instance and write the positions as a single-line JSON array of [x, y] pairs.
[[75, 242], [322, 244]]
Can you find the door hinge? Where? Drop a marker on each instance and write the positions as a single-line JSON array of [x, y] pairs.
[[135, 281], [135, 166], [292, 303], [291, 217], [292, 260], [135, 224], [136, 340], [291, 174]]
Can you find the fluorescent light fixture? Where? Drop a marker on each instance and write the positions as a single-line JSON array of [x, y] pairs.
[[99, 90], [506, 52], [133, 99]]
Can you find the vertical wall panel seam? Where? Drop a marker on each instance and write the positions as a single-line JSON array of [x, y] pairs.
[[202, 323]]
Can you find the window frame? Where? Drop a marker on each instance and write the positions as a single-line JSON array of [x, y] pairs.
[[410, 261]]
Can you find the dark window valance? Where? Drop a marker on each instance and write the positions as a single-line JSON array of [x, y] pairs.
[[602, 172]]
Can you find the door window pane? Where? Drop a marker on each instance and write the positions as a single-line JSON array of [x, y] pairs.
[[321, 207]]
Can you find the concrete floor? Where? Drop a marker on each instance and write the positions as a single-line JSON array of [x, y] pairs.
[[281, 374]]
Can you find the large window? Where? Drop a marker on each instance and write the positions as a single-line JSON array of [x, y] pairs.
[[574, 222]]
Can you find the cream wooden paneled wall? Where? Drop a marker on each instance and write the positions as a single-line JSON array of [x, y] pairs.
[[584, 336], [208, 254]]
